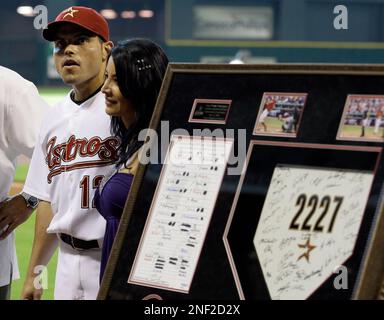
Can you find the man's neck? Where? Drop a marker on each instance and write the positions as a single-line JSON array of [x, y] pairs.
[[84, 95], [85, 90]]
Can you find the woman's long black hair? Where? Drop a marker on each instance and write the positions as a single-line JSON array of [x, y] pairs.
[[140, 67]]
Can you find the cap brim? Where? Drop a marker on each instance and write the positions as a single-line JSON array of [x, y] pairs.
[[50, 32]]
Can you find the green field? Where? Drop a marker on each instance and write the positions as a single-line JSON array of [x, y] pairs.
[[273, 125], [53, 95], [24, 233], [21, 172], [24, 240], [354, 131]]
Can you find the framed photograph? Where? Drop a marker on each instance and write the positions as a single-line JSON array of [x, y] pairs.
[[280, 114], [363, 118], [289, 211], [310, 221]]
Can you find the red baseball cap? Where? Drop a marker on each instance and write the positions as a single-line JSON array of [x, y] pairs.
[[84, 17]]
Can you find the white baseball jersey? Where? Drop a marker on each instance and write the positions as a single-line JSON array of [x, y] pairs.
[[74, 151], [21, 112]]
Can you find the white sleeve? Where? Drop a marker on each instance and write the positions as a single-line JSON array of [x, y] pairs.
[[25, 110], [36, 183]]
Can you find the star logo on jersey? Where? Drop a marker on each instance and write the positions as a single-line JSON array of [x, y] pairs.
[[70, 12], [309, 248]]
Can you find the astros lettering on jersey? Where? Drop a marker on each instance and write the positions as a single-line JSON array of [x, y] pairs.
[[66, 152]]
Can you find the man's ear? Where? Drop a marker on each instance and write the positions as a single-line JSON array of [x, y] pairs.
[[107, 47]]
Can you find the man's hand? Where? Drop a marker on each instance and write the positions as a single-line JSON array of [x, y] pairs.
[[29, 291], [44, 245], [13, 213]]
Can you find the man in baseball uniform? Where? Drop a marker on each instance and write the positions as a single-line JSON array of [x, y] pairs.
[[74, 152], [365, 122], [378, 119], [270, 103], [21, 113]]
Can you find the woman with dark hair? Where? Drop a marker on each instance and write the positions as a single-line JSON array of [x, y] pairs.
[[134, 74]]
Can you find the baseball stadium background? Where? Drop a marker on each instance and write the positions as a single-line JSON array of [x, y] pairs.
[[205, 31]]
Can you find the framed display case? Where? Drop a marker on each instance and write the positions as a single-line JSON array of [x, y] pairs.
[[235, 202], [314, 206]]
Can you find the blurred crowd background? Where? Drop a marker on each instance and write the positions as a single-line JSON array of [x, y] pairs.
[[209, 31]]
